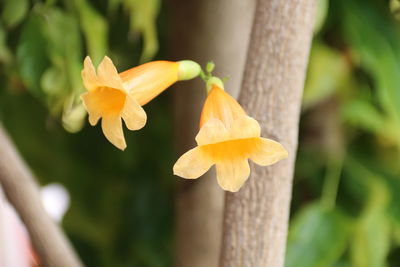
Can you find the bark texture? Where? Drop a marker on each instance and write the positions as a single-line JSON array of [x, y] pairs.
[[256, 218], [216, 30], [22, 192]]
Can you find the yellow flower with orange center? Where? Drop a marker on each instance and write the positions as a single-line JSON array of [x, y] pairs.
[[113, 97], [227, 138]]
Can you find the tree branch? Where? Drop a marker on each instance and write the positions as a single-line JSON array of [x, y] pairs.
[[22, 192], [256, 218]]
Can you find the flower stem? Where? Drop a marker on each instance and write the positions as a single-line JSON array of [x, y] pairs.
[[331, 183]]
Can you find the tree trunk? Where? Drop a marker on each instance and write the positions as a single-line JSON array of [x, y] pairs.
[[204, 30], [22, 192], [256, 218]]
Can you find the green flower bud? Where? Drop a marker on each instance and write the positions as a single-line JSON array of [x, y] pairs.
[[214, 81], [188, 70], [210, 67]]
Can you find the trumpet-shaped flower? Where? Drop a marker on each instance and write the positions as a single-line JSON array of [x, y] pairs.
[[227, 138], [113, 97]]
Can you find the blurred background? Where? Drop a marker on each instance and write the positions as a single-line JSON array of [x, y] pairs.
[[346, 194]]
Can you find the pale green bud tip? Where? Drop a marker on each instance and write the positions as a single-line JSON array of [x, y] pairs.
[[214, 81], [188, 70], [210, 67]]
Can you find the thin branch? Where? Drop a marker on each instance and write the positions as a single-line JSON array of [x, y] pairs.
[[22, 192]]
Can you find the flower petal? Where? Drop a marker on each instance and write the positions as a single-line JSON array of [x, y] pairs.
[[94, 116], [213, 131], [220, 105], [232, 174], [112, 129], [133, 114], [108, 74], [88, 74], [245, 127], [192, 164], [268, 152]]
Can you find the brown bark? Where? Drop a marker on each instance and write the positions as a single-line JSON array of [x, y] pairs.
[[216, 30], [22, 192], [256, 218]]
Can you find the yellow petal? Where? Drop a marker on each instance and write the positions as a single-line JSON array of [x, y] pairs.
[[94, 115], [133, 114], [105, 101], [112, 129], [245, 127], [213, 131], [108, 74], [232, 174], [192, 164], [93, 118], [88, 74], [268, 152], [220, 105]]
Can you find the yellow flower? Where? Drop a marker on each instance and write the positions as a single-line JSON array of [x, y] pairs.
[[227, 138], [113, 97]]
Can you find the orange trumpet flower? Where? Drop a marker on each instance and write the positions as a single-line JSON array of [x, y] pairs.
[[227, 138], [113, 97]]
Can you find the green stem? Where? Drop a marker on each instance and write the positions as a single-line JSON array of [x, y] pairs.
[[331, 183]]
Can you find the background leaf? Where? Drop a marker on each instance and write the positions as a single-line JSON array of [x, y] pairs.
[[32, 55], [327, 72], [144, 22], [317, 238], [95, 29], [371, 240], [14, 11]]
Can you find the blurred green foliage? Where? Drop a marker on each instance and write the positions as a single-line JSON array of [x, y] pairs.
[[122, 203], [346, 208], [42, 46], [346, 203]]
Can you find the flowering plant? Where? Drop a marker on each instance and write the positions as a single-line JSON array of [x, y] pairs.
[[228, 137]]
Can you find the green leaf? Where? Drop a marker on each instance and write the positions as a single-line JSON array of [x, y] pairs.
[[321, 13], [363, 114], [53, 41], [65, 46], [53, 81], [113, 5], [396, 233], [393, 212], [317, 238], [395, 8], [143, 16], [378, 51], [32, 55], [95, 28], [394, 205], [327, 71], [63, 81], [370, 242], [14, 11], [5, 54], [342, 263]]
